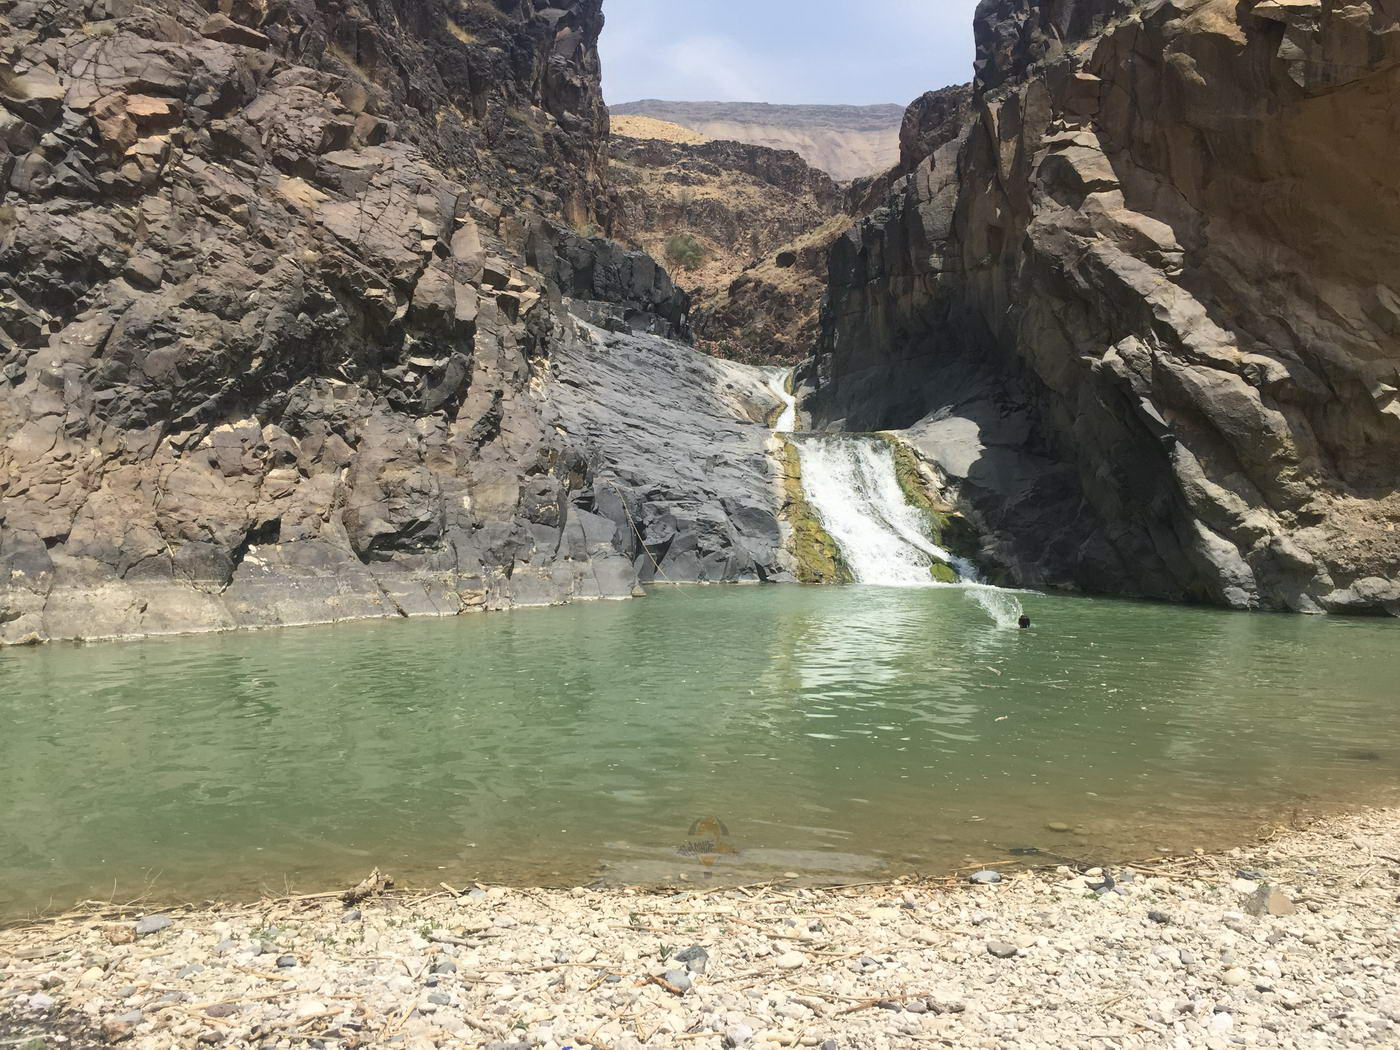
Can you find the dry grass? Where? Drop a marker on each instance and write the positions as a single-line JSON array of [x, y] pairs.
[[460, 33], [651, 128]]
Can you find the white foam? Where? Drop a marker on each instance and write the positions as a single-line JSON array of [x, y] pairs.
[[787, 419], [852, 484]]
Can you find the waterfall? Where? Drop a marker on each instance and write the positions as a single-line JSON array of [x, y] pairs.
[[852, 484], [787, 419]]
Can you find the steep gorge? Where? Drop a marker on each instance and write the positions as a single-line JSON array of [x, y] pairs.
[[1142, 311], [304, 317]]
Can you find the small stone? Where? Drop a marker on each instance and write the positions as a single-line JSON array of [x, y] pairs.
[[222, 1010], [679, 979], [1001, 949], [1161, 918], [440, 999], [696, 959], [476, 892], [309, 1008], [152, 924], [286, 962], [1058, 827], [115, 1029], [738, 1035], [444, 966], [353, 915], [1235, 977], [981, 918], [984, 877], [1269, 901], [225, 946], [791, 961], [190, 970], [121, 934], [40, 1001]]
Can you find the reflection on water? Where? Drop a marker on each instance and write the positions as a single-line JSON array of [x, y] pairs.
[[836, 732]]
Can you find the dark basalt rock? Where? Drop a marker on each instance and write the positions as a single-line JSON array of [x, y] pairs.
[[1143, 310], [281, 288]]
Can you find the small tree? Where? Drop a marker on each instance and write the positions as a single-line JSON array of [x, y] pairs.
[[685, 251]]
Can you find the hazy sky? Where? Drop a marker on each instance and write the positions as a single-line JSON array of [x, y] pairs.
[[830, 51]]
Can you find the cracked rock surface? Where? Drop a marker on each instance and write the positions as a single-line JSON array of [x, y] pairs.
[[280, 283]]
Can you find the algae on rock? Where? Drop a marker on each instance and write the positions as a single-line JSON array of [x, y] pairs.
[[946, 527], [818, 556]]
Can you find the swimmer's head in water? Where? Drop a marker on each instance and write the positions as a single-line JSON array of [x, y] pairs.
[[1024, 622]]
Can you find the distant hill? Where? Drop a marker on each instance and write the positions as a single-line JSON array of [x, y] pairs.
[[847, 142], [651, 128]]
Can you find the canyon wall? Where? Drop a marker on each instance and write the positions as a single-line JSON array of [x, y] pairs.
[[283, 286], [1143, 310], [750, 214]]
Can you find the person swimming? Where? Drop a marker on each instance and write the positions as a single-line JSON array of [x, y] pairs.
[[1023, 622]]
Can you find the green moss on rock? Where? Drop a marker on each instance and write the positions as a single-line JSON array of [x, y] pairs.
[[946, 527], [942, 572], [818, 556]]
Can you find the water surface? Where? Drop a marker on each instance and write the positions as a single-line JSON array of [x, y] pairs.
[[841, 733]]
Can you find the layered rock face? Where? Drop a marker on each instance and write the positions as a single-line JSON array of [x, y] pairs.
[[1144, 311], [280, 293], [751, 210], [846, 142]]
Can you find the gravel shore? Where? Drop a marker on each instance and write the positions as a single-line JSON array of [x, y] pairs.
[[1288, 944]]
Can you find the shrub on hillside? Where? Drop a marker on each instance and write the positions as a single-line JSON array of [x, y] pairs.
[[685, 251]]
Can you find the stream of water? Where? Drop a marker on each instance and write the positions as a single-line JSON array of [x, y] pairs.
[[787, 418]]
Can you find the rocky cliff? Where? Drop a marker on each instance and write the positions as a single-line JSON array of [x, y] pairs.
[[293, 327], [1144, 311], [747, 213], [846, 142]]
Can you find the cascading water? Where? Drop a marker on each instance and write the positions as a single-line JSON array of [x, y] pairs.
[[787, 419], [852, 484]]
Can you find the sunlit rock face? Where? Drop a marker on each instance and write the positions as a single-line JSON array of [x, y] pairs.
[[281, 289], [1144, 308]]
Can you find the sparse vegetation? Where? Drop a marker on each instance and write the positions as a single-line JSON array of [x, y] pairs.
[[460, 33], [686, 251], [946, 527]]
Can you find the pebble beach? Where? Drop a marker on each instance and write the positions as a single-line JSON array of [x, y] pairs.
[[1288, 943]]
